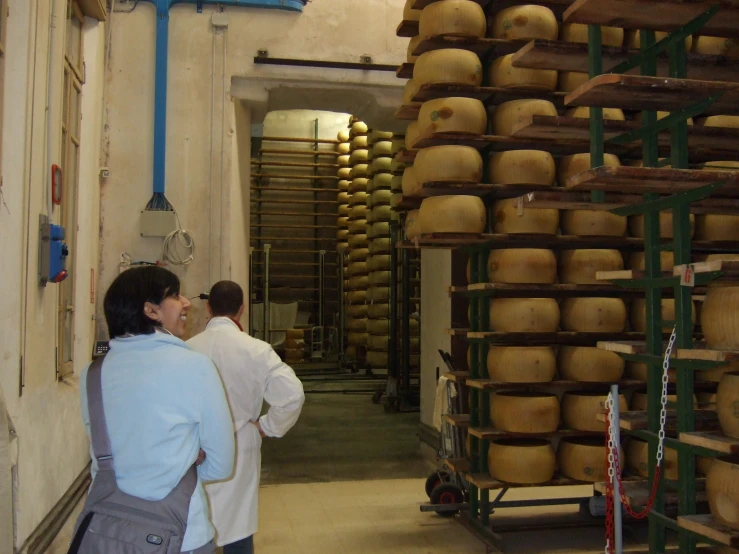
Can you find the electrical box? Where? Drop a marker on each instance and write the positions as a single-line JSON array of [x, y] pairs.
[[53, 252], [219, 20], [158, 223]]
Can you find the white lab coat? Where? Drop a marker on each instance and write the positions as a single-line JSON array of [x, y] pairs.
[[252, 372]]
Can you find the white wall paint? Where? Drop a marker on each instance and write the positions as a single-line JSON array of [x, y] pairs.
[[52, 444]]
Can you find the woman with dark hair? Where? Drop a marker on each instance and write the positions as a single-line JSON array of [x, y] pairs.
[[164, 404]]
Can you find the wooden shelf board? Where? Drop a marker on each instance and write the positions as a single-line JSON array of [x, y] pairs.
[[480, 46], [297, 214], [624, 275], [571, 56], [706, 143], [458, 420], [407, 29], [407, 112], [405, 70], [699, 352], [457, 376], [487, 384], [652, 179], [657, 15], [483, 481], [289, 152], [405, 156], [293, 164], [634, 92], [706, 526], [493, 95], [294, 189], [297, 139], [408, 203], [490, 433], [497, 240], [294, 177], [460, 465], [557, 290], [705, 420], [715, 441], [728, 268], [263, 200], [573, 338], [624, 347], [638, 492]]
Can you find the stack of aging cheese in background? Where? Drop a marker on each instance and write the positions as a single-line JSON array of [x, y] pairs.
[[357, 270], [342, 235]]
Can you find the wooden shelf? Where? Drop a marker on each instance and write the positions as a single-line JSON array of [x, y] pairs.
[[652, 179], [408, 203], [715, 441], [625, 275], [705, 420], [407, 29], [301, 140], [699, 352], [657, 15], [284, 226], [297, 214], [557, 290], [487, 384], [638, 492], [705, 143], [705, 526], [405, 156], [289, 152], [308, 239], [293, 164], [571, 56], [458, 420], [572, 338], [460, 465], [634, 92], [457, 376], [296, 177], [490, 95], [263, 200], [405, 70], [483, 481], [497, 240], [729, 270], [295, 189], [493, 434]]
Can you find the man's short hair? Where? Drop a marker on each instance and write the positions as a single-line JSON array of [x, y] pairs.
[[226, 299]]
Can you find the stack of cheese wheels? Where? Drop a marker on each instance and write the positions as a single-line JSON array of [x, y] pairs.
[[295, 346], [343, 148], [721, 482], [583, 459], [378, 233], [358, 255], [718, 227]]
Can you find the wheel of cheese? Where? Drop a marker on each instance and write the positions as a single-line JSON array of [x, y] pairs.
[[594, 315], [357, 310], [577, 32], [378, 343], [359, 197], [356, 268], [722, 489], [716, 374], [637, 459], [358, 241], [344, 148], [639, 314], [593, 223], [378, 294], [380, 245], [382, 181], [727, 404], [343, 135], [382, 148], [412, 225], [350, 352], [717, 46], [381, 196], [702, 467], [589, 365], [344, 185], [639, 401], [637, 261], [582, 458], [342, 221], [375, 311], [452, 214], [524, 315], [452, 115], [524, 412], [358, 211], [359, 142], [409, 93], [295, 333], [510, 114], [636, 225], [570, 166], [377, 359], [633, 40], [358, 185], [522, 265], [614, 114], [343, 160], [357, 324], [579, 267], [412, 45], [359, 155], [716, 227], [379, 277], [342, 246], [450, 66], [357, 297], [521, 461], [412, 134], [342, 235], [344, 173], [639, 372], [378, 326], [357, 339], [525, 22], [359, 254], [570, 80], [503, 74], [457, 18], [379, 263], [358, 128], [521, 364], [383, 213], [522, 167], [359, 170], [448, 164], [396, 185], [660, 115], [581, 408], [410, 185], [344, 209], [510, 219], [381, 229]]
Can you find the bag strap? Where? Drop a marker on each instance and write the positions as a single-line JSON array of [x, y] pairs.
[[98, 426]]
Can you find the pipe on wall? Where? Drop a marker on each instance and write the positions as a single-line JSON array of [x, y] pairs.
[[158, 200]]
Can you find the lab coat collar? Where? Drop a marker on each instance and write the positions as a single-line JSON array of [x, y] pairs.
[[221, 321]]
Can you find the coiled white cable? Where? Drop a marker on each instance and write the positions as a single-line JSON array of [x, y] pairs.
[[181, 237]]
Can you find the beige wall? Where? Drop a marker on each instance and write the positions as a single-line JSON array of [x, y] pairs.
[[52, 448]]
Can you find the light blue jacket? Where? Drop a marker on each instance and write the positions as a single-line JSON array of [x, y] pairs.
[[163, 402]]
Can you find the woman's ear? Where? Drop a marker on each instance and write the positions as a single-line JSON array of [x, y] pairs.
[[150, 311]]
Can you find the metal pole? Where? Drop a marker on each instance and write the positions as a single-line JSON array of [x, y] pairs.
[[405, 312], [321, 293], [251, 291], [265, 296], [342, 315], [615, 417]]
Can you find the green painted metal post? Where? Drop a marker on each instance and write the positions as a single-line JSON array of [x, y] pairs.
[[482, 348]]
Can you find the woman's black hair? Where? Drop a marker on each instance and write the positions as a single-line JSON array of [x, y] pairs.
[[130, 291]]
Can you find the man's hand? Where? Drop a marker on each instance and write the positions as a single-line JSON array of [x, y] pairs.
[[201, 458], [259, 428]]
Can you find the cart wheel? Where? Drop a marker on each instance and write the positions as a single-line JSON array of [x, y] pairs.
[[435, 479], [447, 493]]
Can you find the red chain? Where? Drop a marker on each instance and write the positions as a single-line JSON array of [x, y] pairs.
[[609, 490]]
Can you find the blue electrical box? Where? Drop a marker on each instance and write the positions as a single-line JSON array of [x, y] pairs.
[[53, 252]]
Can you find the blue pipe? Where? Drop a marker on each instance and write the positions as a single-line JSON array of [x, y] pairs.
[[158, 200]]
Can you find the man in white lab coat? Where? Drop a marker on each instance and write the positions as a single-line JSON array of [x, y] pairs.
[[252, 373]]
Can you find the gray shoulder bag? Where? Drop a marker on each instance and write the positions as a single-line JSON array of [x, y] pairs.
[[113, 522]]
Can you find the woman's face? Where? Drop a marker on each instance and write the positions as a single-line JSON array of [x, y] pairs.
[[173, 314]]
